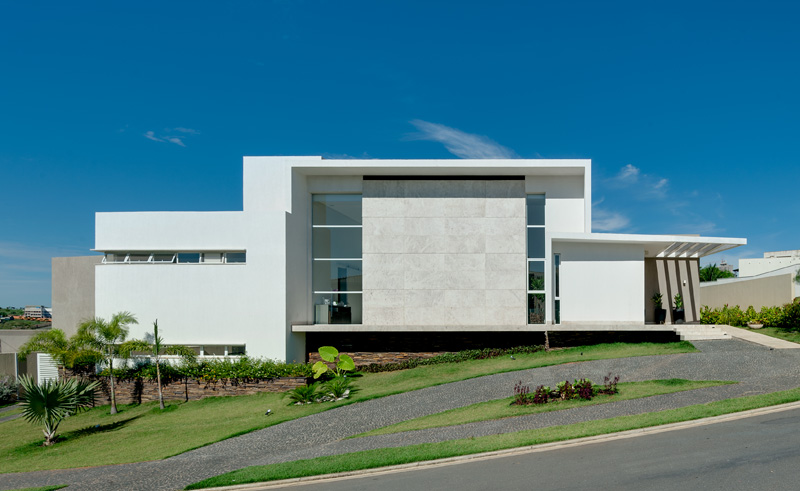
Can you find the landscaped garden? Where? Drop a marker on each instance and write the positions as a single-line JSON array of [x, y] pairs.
[[432, 451], [96, 437], [778, 322]]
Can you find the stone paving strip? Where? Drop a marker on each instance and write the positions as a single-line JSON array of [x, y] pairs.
[[758, 338], [758, 369]]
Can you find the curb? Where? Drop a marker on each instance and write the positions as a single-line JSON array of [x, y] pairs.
[[544, 447]]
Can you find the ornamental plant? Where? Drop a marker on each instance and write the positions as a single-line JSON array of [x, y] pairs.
[[541, 394], [610, 384], [342, 363], [52, 401], [521, 394], [584, 388]]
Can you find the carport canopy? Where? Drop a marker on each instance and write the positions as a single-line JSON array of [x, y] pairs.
[[659, 246]]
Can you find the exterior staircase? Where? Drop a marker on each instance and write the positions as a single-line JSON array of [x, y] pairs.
[[700, 332]]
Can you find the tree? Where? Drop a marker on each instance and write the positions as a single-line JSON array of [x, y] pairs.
[[156, 348], [66, 352], [104, 337], [54, 400], [713, 273]]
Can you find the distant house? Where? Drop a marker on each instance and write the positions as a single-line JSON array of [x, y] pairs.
[[385, 255]]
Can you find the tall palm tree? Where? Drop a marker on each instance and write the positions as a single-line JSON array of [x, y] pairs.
[[105, 337], [156, 348]]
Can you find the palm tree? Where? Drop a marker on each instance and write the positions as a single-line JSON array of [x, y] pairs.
[[66, 352], [156, 347], [713, 273], [104, 337], [54, 400]]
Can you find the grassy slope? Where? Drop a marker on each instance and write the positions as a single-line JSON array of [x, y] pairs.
[[432, 451], [503, 409], [97, 438]]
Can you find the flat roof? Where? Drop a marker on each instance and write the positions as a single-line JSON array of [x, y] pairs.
[[659, 246], [316, 165]]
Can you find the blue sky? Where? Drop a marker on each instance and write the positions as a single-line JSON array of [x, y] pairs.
[[689, 110]]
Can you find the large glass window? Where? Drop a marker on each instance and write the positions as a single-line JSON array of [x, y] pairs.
[[537, 300], [337, 258], [557, 288]]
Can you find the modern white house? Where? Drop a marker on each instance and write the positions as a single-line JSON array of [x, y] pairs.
[[392, 255]]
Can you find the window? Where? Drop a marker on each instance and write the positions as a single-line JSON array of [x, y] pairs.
[[556, 288], [336, 258], [536, 259], [188, 257], [235, 257]]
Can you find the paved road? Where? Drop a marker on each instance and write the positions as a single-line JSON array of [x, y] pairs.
[[758, 369], [758, 452]]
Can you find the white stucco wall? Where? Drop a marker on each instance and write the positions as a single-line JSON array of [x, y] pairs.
[[601, 283], [256, 303], [757, 266]]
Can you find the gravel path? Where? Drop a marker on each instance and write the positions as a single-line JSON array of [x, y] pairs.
[[758, 369]]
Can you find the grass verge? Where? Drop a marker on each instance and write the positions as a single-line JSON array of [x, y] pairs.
[[432, 451], [502, 408], [96, 438]]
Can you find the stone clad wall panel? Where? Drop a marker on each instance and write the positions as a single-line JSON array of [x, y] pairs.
[[444, 252]]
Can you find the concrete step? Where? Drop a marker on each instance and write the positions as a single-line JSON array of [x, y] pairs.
[[694, 332]]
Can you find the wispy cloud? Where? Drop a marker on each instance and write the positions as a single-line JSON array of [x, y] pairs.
[[461, 144], [150, 135], [608, 221], [169, 136], [644, 186]]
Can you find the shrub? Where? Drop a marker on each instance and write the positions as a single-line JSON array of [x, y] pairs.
[[791, 315], [460, 356], [584, 388], [541, 394], [212, 370], [521, 394], [305, 394], [565, 390], [610, 384], [337, 388], [8, 389]]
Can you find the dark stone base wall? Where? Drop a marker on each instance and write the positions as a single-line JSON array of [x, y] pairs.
[[395, 347], [139, 391]]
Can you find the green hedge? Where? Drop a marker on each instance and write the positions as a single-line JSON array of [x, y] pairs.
[[787, 317], [244, 368]]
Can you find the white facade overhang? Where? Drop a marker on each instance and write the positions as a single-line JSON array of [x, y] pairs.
[[659, 246]]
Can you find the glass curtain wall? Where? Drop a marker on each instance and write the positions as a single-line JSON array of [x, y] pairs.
[[336, 258], [536, 259]]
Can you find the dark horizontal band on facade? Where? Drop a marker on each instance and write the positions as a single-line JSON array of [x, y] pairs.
[[444, 178]]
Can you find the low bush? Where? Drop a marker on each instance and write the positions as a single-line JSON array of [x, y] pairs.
[[521, 394], [610, 384], [8, 389], [244, 368], [466, 355], [304, 394], [579, 389], [787, 317], [541, 395]]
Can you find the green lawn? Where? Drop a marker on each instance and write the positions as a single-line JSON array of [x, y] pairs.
[[97, 438], [431, 451], [503, 409], [777, 332]]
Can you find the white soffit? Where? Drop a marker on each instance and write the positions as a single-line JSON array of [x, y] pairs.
[[659, 246], [443, 167]]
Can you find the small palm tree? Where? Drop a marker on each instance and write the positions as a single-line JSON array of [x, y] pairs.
[[104, 337], [156, 348], [54, 400]]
